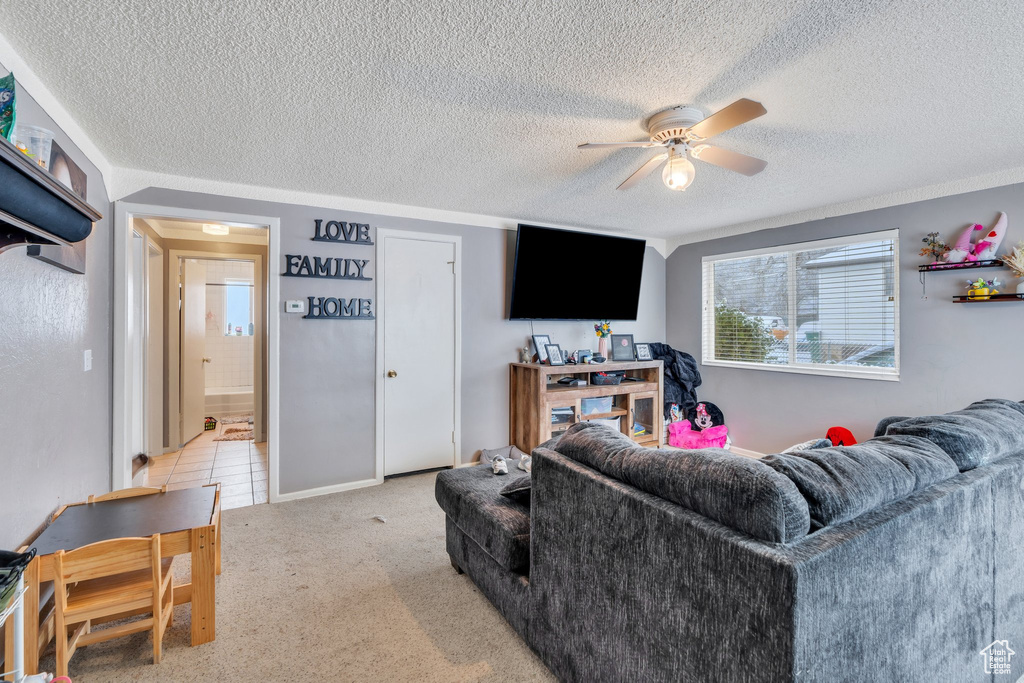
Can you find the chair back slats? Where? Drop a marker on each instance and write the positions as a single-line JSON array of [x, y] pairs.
[[106, 558]]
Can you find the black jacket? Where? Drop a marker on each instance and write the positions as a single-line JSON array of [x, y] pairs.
[[681, 377]]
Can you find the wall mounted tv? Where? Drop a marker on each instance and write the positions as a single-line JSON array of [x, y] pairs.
[[567, 275]]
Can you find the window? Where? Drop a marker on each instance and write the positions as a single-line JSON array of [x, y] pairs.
[[829, 307], [238, 308]]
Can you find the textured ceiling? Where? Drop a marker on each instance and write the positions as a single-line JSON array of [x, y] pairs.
[[478, 106]]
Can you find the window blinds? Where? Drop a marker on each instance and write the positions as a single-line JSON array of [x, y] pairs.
[[826, 307]]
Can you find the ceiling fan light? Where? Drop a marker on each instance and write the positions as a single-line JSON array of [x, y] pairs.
[[213, 229], [678, 172]]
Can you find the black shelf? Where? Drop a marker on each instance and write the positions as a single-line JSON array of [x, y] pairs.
[[967, 265], [35, 207], [993, 298]]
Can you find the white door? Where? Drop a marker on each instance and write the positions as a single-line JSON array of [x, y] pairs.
[[193, 348], [155, 353], [419, 330]]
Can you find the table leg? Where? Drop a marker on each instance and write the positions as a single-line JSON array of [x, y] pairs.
[[31, 621], [204, 566]]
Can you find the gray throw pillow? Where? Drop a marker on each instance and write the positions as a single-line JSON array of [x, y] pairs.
[[518, 490], [884, 423], [844, 482], [981, 433]]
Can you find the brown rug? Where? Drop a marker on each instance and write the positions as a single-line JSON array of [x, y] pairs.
[[236, 420], [235, 434]]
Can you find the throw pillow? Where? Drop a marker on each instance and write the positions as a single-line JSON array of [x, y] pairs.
[[518, 490], [844, 482], [981, 433]]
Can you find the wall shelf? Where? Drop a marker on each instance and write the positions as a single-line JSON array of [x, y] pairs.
[[35, 207], [994, 298], [923, 270]]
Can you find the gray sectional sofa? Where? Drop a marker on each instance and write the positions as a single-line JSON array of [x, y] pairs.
[[899, 559]]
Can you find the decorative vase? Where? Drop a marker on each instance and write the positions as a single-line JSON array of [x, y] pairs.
[[603, 347]]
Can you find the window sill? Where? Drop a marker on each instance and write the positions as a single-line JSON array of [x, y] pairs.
[[850, 372]]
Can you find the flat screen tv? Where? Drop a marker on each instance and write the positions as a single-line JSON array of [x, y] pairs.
[[567, 275]]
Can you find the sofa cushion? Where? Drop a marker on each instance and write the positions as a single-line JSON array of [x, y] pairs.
[[844, 482], [981, 433], [738, 492], [518, 490], [470, 496]]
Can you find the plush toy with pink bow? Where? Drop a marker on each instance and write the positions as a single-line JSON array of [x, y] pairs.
[[704, 430], [967, 250]]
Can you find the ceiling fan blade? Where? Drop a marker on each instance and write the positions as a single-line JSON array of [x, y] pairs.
[[643, 171], [722, 120], [645, 143], [726, 158]]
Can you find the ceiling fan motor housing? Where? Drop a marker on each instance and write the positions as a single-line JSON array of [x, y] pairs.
[[671, 124]]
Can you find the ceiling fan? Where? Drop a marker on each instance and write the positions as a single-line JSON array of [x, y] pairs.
[[683, 131]]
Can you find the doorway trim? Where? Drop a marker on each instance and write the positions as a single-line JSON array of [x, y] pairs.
[[174, 334], [124, 215], [379, 369]]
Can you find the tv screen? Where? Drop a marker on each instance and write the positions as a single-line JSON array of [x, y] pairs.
[[567, 275]]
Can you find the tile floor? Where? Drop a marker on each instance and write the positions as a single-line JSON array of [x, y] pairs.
[[239, 466]]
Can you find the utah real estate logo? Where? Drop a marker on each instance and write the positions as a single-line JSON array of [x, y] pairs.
[[997, 657]]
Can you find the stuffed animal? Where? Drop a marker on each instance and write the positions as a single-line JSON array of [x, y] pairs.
[[840, 436], [682, 435], [986, 247], [963, 250], [705, 416]]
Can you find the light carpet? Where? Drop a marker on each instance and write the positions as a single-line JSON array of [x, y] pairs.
[[318, 590]]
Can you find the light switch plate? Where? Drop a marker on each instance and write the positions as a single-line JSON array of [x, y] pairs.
[[295, 306], [87, 360]]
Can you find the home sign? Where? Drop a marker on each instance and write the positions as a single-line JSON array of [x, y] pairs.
[[334, 268]]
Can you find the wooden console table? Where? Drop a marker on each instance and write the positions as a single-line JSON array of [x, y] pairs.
[[535, 391]]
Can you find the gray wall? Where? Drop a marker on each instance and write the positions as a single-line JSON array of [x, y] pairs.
[[951, 354], [55, 419], [327, 367]]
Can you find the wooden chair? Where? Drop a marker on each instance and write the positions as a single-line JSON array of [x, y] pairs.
[[106, 581], [128, 493]]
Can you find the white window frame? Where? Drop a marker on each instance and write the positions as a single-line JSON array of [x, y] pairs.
[[708, 308]]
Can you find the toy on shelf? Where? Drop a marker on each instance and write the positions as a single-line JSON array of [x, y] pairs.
[[966, 250], [981, 289]]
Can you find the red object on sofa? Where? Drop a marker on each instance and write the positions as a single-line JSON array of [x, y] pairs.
[[840, 436]]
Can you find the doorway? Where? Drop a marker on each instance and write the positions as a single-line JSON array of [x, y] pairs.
[[418, 351], [206, 412]]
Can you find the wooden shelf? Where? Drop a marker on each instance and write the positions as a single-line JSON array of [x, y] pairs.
[[533, 395], [967, 265], [615, 412], [994, 298]]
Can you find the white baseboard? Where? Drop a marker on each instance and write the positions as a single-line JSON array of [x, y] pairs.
[[745, 453], [323, 490]]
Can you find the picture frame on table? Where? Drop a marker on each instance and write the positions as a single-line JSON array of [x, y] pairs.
[[622, 347], [554, 354], [540, 342], [643, 351]]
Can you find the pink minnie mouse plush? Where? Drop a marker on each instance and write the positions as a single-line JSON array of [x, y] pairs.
[[705, 429]]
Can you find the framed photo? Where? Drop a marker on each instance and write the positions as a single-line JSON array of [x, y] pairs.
[[622, 347], [583, 356], [554, 353], [643, 351], [540, 341]]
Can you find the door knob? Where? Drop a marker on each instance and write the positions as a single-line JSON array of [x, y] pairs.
[[392, 373], [207, 360]]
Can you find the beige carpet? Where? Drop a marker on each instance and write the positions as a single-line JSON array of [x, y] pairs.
[[317, 590]]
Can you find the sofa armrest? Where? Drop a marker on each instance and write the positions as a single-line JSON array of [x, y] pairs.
[[628, 586]]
